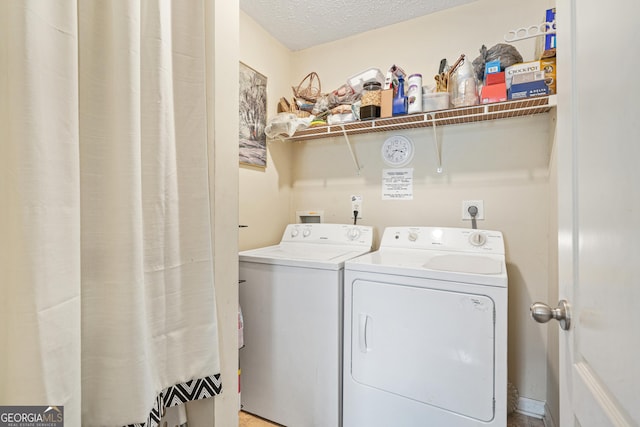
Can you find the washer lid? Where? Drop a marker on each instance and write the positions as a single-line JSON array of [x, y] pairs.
[[303, 255], [302, 252]]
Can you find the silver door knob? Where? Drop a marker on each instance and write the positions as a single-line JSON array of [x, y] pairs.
[[542, 313]]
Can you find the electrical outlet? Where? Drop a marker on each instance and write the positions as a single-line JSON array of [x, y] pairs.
[[465, 209], [356, 205]]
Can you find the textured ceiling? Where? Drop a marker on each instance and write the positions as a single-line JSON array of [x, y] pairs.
[[299, 24]]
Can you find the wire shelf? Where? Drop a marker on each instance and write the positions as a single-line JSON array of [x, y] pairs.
[[454, 116]]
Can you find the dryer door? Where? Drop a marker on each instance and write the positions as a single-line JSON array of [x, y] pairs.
[[429, 345]]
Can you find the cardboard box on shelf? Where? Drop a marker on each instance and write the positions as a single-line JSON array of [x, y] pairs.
[[548, 65], [550, 39], [386, 103], [494, 78], [547, 29], [527, 77], [523, 67], [493, 93], [527, 90], [492, 67]]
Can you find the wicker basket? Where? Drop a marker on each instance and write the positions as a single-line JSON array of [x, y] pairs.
[[309, 88], [284, 106]]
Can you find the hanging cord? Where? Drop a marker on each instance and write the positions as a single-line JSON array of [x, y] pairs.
[[355, 217], [473, 211]]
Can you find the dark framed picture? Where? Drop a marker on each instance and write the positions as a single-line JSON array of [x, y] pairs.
[[253, 117]]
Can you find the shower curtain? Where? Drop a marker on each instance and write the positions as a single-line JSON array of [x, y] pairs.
[[107, 303]]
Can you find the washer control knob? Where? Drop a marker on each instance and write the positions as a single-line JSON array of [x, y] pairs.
[[306, 232], [294, 232], [477, 238], [354, 233], [413, 236]]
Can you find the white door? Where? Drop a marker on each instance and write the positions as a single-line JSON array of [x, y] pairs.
[[598, 142]]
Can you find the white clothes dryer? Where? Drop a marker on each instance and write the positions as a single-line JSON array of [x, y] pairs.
[[426, 330], [291, 301]]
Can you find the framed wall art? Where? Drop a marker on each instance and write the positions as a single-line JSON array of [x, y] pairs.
[[253, 117]]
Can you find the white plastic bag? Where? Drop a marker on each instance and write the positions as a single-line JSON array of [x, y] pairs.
[[286, 124]]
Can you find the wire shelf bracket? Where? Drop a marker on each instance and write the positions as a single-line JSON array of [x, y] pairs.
[[436, 143], [353, 155]]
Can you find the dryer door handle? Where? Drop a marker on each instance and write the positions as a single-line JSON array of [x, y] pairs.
[[365, 325]]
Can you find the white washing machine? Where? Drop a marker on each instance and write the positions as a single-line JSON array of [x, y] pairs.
[[426, 330], [292, 308]]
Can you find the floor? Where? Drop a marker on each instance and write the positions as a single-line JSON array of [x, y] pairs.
[[514, 420]]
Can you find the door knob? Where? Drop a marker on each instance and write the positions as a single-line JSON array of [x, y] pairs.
[[542, 313]]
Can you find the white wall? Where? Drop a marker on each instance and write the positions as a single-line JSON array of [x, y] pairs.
[[265, 192], [419, 44], [505, 163]]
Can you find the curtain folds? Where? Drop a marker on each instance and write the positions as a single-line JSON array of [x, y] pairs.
[[106, 257], [39, 205]]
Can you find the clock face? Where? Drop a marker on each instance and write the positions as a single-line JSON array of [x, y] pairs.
[[397, 151]]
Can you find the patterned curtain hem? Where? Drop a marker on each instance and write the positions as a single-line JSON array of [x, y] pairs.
[[178, 394]]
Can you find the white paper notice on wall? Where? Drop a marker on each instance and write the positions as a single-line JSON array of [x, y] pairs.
[[397, 184]]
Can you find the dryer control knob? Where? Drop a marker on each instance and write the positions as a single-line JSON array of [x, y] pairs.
[[413, 236], [477, 238], [306, 232], [354, 233], [294, 232]]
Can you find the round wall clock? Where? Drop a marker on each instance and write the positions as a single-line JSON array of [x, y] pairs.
[[397, 150]]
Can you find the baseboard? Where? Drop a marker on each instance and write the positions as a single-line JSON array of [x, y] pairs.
[[537, 409], [548, 419], [531, 407]]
